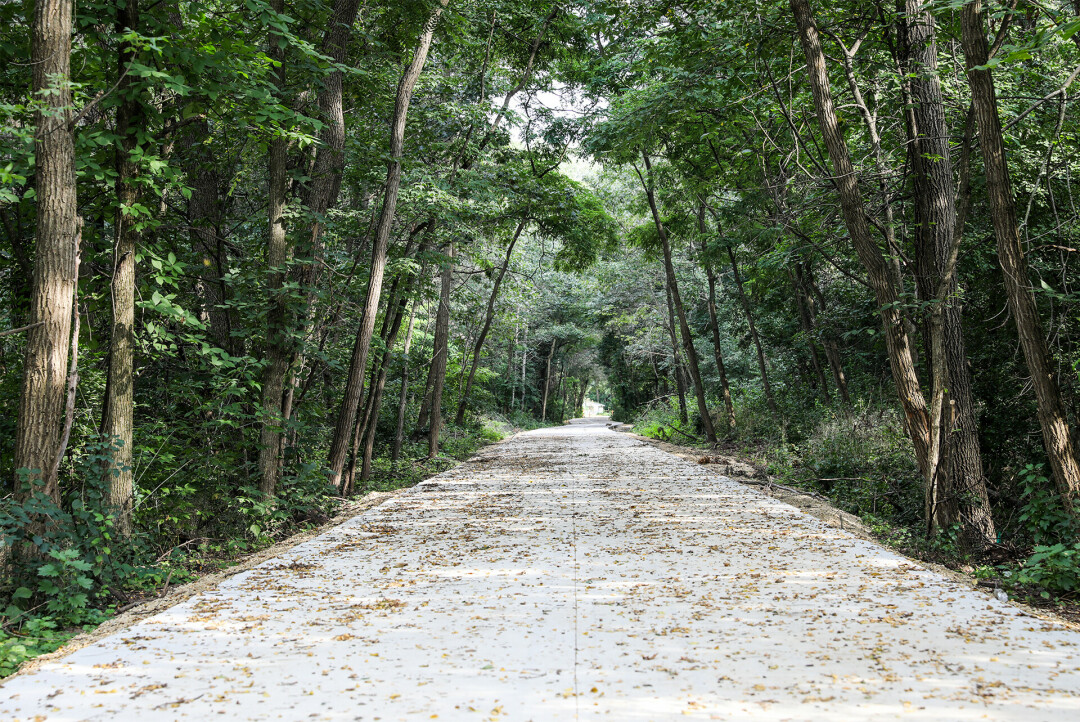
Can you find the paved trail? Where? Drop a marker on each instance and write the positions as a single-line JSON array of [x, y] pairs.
[[574, 573]]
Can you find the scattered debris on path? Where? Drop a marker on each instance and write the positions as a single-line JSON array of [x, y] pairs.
[[574, 573]]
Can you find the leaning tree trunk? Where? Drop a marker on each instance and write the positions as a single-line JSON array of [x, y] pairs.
[[118, 414], [351, 399], [1053, 421], [489, 316], [41, 401], [959, 492], [684, 328], [442, 352], [812, 297], [371, 423], [916, 417]]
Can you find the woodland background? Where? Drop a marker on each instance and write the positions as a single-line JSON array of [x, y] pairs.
[[258, 256]]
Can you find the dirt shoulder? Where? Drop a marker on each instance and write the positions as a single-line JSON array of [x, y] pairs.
[[746, 472]]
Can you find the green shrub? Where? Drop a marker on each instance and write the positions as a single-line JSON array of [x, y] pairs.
[[1056, 569]]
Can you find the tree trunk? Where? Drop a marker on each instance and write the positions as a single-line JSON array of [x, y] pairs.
[[958, 494], [41, 401], [676, 359], [371, 423], [748, 312], [338, 447], [916, 417], [204, 220], [547, 383], [488, 318], [684, 328], [714, 324], [118, 414], [1053, 421], [399, 434], [442, 352], [278, 253], [812, 298], [808, 333]]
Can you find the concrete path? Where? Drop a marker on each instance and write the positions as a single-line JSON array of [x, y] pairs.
[[574, 573]]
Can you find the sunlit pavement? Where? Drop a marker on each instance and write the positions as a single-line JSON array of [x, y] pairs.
[[574, 573]]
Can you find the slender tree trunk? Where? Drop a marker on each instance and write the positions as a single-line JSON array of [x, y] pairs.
[[808, 333], [371, 423], [118, 415], [813, 297], [684, 328], [524, 360], [676, 359], [399, 434], [351, 400], [714, 325], [41, 401], [1053, 421], [748, 312], [489, 316], [442, 353], [278, 253], [547, 383], [916, 417], [204, 218]]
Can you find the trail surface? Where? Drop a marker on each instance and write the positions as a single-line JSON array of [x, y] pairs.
[[573, 573]]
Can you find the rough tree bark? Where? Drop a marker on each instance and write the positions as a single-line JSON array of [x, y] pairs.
[[1053, 421], [278, 253], [351, 399], [41, 401], [958, 493], [118, 413]]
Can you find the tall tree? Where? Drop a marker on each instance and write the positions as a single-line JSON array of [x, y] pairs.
[[55, 262], [351, 399], [881, 276], [1057, 439], [684, 327], [118, 414]]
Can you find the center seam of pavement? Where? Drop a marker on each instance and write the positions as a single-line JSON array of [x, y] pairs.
[[573, 542]]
